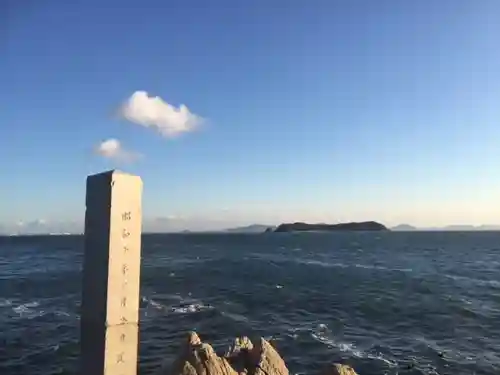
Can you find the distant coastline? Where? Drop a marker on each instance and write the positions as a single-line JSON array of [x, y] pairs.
[[353, 226], [264, 228]]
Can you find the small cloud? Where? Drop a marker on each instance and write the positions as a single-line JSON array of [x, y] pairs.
[[154, 112], [113, 149]]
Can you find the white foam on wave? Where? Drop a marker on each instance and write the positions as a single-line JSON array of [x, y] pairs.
[[356, 265], [151, 302], [191, 308], [327, 264], [235, 317], [29, 310], [26, 310], [5, 302], [321, 264], [323, 335], [493, 283], [32, 304], [186, 306], [343, 347]]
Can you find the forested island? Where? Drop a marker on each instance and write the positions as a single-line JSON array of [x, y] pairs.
[[304, 227]]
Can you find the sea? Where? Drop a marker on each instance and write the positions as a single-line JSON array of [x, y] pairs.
[[382, 302]]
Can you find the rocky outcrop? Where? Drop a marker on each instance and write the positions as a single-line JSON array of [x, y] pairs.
[[197, 358], [243, 358]]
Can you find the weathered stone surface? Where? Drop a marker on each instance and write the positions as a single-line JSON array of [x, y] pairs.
[[338, 369], [268, 360], [244, 357], [258, 359], [197, 358]]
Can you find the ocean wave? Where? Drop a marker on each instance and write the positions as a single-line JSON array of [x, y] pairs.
[[373, 312], [235, 317], [327, 264], [382, 268], [321, 263], [191, 308], [322, 334], [5, 302], [355, 265], [491, 283], [29, 310], [187, 305], [26, 310], [151, 302]]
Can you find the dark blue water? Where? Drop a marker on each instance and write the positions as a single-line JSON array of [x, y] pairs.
[[382, 302]]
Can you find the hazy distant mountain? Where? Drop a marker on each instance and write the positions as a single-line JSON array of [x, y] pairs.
[[447, 228], [254, 228], [404, 228], [465, 228], [459, 227], [488, 227]]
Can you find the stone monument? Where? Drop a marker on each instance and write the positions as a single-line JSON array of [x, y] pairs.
[[111, 274]]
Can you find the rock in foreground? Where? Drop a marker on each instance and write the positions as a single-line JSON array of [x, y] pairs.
[[242, 358]]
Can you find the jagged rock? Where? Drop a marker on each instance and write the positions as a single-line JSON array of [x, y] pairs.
[[197, 358], [269, 361], [338, 369], [240, 345], [239, 355], [243, 357]]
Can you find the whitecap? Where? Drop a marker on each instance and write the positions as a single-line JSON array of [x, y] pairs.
[[380, 357], [493, 283], [235, 317], [184, 306], [382, 268], [343, 347], [191, 308], [322, 335], [5, 302], [25, 310], [322, 264], [151, 302], [61, 313]]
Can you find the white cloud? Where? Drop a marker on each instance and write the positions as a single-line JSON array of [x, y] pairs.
[[154, 112], [113, 149]]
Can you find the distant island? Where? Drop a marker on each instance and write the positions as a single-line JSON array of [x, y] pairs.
[[404, 228], [447, 228], [254, 228], [304, 227]]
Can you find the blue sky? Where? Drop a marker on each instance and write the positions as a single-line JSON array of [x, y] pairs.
[[306, 110]]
